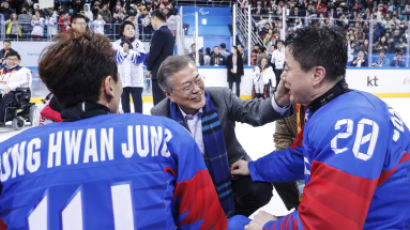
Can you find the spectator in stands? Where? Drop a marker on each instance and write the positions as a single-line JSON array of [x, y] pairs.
[[278, 59], [242, 53], [144, 23], [222, 49], [37, 23], [401, 45], [407, 10], [107, 16], [88, 13], [381, 45], [234, 66], [360, 60], [24, 20], [116, 21], [98, 25], [398, 61], [193, 55], [13, 29], [216, 57], [52, 25], [96, 7], [381, 61], [390, 45], [64, 21], [264, 80], [65, 4], [79, 23], [130, 56], [6, 49], [12, 76], [207, 56], [6, 10]]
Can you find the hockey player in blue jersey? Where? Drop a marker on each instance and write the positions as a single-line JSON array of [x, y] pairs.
[[353, 151], [98, 169]]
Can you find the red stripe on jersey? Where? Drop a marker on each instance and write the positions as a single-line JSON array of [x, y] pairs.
[[282, 225], [287, 222], [295, 223], [199, 199], [384, 175], [2, 225], [334, 199], [298, 140], [170, 170]]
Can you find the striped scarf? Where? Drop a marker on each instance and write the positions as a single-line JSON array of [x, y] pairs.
[[215, 156]]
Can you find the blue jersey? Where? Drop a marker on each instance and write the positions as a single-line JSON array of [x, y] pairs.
[[111, 171], [354, 155]]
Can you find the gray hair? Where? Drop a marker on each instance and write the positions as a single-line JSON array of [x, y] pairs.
[[168, 67]]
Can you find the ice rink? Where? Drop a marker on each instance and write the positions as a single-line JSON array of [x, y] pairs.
[[258, 141]]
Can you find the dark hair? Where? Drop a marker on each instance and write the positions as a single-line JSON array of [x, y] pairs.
[[77, 16], [320, 46], [6, 40], [74, 68], [169, 66], [122, 27], [12, 53], [223, 45], [159, 14]]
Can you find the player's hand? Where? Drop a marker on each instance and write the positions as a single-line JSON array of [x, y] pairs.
[[282, 95], [240, 168], [126, 47], [149, 74], [6, 90], [260, 219]]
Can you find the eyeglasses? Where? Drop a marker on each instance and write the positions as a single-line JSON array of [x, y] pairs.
[[189, 86]]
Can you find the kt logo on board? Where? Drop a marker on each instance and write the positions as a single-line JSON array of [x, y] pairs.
[[372, 81]]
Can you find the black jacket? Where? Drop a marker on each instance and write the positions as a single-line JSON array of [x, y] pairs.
[[162, 46]]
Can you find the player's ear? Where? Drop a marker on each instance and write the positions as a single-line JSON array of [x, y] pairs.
[[319, 74]]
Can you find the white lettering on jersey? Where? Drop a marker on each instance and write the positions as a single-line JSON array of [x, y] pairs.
[[17, 157], [54, 149], [147, 139], [72, 143], [127, 149], [142, 140], [398, 124], [367, 132], [156, 139], [5, 165], [33, 158], [107, 144], [90, 148], [307, 166], [168, 136], [342, 135]]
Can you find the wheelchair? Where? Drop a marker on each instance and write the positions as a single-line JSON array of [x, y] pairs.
[[20, 109]]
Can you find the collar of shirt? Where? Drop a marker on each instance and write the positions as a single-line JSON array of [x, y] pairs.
[[194, 123], [161, 26]]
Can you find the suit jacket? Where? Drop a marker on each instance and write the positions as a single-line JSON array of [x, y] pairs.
[[162, 46], [239, 68], [230, 109]]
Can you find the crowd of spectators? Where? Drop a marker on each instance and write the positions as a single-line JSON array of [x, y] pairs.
[[24, 20], [388, 17]]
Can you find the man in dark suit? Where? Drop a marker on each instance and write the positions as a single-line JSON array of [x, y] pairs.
[[162, 46], [209, 114]]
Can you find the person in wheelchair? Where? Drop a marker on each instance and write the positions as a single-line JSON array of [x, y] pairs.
[[13, 79]]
